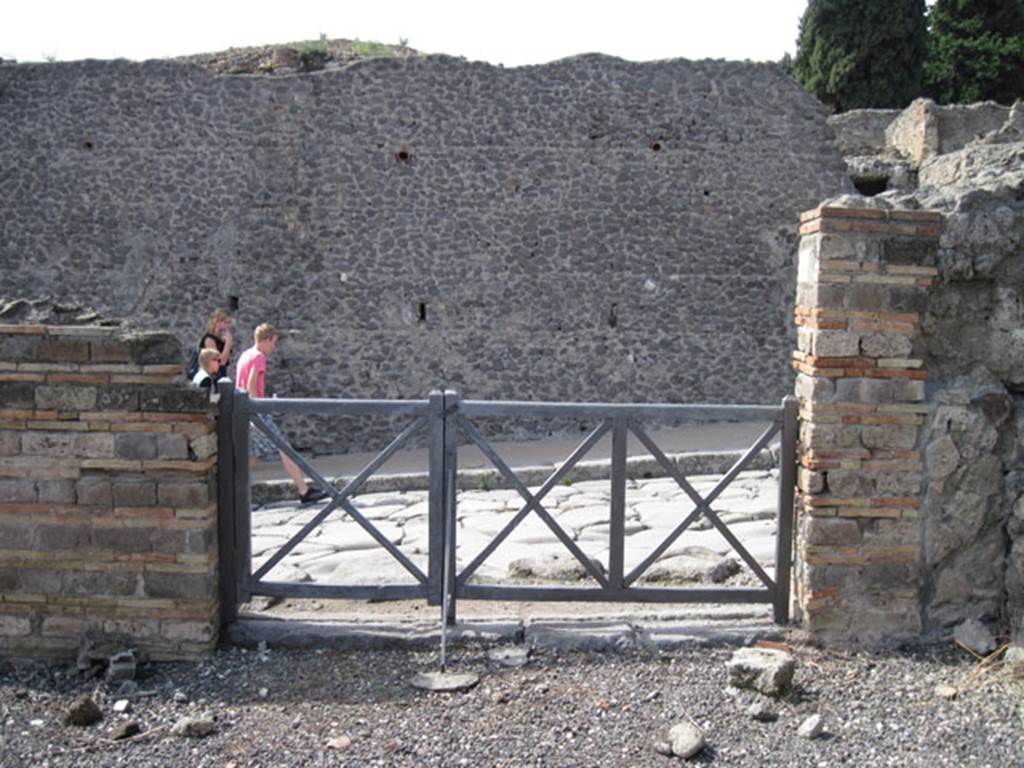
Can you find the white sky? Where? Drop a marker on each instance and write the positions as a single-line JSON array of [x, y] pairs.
[[512, 32]]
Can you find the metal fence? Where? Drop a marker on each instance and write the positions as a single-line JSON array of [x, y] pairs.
[[446, 419]]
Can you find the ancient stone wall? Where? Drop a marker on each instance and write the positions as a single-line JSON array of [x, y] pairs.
[[107, 495], [591, 229]]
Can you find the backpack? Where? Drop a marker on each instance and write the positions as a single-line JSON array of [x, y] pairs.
[[193, 364]]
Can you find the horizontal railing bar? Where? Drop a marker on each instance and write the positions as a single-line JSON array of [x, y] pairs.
[[337, 591], [634, 410], [327, 407], [631, 595]]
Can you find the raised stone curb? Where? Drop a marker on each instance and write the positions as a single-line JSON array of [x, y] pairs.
[[711, 463]]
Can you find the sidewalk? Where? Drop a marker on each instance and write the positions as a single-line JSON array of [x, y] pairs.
[[695, 448]]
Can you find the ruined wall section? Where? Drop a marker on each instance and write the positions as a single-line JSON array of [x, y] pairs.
[[591, 229], [107, 495], [975, 356]]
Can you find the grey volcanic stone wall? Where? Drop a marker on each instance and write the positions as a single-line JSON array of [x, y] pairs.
[[591, 229]]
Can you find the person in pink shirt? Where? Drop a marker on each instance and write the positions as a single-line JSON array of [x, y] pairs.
[[250, 375]]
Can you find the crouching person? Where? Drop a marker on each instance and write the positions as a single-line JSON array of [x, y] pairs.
[[208, 373]]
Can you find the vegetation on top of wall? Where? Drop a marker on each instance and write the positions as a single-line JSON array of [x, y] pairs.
[[297, 56]]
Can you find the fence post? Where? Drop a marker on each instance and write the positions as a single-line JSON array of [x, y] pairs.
[[451, 458], [787, 484], [242, 493], [617, 522], [436, 498], [226, 556]]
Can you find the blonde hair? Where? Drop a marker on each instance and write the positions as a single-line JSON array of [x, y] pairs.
[[264, 332], [206, 355], [217, 316]]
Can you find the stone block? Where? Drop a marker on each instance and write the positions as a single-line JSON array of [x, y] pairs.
[[810, 481], [190, 495], [171, 399], [131, 629], [8, 579], [94, 445], [134, 493], [891, 533], [910, 251], [65, 397], [763, 669], [908, 390], [17, 394], [94, 492], [828, 436], [188, 631], [180, 586], [867, 297], [898, 483], [109, 351], [96, 583], [10, 442], [118, 397], [203, 446], [18, 491], [814, 388], [850, 484], [40, 581], [889, 437], [886, 345], [119, 539], [63, 626], [15, 626], [60, 444], [135, 445], [15, 536], [171, 446], [54, 537], [153, 348], [908, 299], [835, 344], [832, 531], [56, 491], [19, 347], [51, 349], [864, 390]]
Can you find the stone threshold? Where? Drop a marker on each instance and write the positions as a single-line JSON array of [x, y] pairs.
[[620, 634]]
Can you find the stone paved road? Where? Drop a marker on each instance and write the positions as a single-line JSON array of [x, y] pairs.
[[340, 552]]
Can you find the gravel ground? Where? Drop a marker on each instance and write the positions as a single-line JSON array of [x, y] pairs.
[[325, 707]]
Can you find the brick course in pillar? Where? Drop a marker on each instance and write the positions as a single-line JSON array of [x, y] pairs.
[[862, 282], [107, 495]]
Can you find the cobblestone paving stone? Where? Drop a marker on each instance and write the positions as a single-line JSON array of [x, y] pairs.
[[340, 551]]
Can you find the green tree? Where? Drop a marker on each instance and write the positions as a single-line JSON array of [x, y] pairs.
[[975, 51], [854, 54]]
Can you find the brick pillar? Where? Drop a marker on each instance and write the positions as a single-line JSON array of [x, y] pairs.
[[107, 495], [862, 285]]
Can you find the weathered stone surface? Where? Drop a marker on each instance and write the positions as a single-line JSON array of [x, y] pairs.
[[764, 669], [83, 711], [541, 145], [686, 738]]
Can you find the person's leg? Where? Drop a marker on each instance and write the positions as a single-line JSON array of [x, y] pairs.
[[294, 473]]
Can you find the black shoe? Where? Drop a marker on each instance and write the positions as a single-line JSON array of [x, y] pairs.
[[312, 494]]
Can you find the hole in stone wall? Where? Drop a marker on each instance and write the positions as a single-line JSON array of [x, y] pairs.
[[656, 146], [613, 316], [403, 155], [421, 312], [87, 145], [871, 187], [707, 193], [232, 303]]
